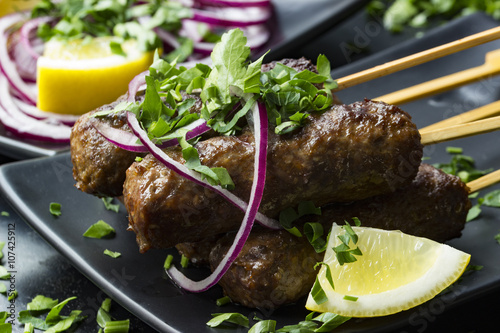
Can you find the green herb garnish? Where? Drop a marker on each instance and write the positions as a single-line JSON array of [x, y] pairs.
[[344, 252], [233, 318], [223, 301], [55, 208], [112, 254], [3, 289], [106, 321], [4, 274], [4, 213], [263, 326], [13, 295], [87, 19], [184, 261], [54, 321], [350, 298], [99, 229], [314, 232], [317, 293], [108, 203], [168, 261], [399, 14]]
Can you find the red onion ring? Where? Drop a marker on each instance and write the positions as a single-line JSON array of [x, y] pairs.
[[260, 130], [34, 112], [135, 85], [235, 3], [26, 31], [25, 126], [128, 141], [229, 17], [7, 67]]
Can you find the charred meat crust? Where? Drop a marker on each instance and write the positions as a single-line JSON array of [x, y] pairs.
[[273, 269], [434, 206], [349, 153]]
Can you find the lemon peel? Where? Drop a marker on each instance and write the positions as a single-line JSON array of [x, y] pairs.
[[396, 272], [77, 76]]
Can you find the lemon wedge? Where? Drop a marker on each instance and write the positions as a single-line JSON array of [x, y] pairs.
[[395, 272], [77, 76]]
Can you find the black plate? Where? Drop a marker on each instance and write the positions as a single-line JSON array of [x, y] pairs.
[[289, 28], [137, 281]]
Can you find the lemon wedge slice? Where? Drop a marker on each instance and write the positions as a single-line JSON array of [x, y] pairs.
[[77, 76], [395, 272]]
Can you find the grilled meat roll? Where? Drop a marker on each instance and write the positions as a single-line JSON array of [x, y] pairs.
[[348, 153], [275, 268], [98, 165]]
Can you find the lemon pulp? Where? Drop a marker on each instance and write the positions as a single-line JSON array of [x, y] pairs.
[[78, 76], [396, 272]]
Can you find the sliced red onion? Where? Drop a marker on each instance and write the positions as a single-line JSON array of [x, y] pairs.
[[27, 127], [260, 130], [235, 3], [257, 35], [191, 175], [34, 112], [136, 84], [232, 17], [7, 67], [25, 64], [26, 31], [128, 141]]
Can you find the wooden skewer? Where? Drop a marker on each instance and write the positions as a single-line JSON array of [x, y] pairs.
[[445, 83], [460, 131], [484, 181], [482, 112], [419, 58]]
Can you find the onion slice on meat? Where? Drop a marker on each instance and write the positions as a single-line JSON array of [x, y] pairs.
[[260, 126], [128, 141], [191, 175]]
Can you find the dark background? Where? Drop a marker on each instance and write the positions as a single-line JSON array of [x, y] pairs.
[[47, 272]]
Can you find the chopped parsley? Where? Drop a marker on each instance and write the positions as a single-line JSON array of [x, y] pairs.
[[223, 301], [497, 238], [350, 298], [109, 205], [399, 14], [168, 261], [324, 322], [107, 323], [4, 273], [289, 215], [344, 252], [120, 18], [100, 229], [317, 293], [4, 213], [233, 318], [55, 208], [112, 254], [53, 321]]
